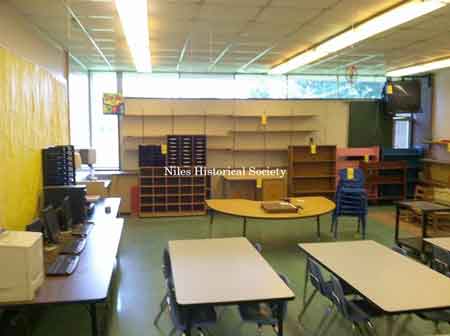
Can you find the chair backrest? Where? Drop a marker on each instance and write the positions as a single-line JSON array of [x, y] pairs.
[[357, 181], [167, 265], [338, 297], [274, 307], [315, 275], [440, 260], [257, 246], [174, 309]]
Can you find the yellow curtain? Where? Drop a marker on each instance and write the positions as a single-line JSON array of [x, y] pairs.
[[33, 114]]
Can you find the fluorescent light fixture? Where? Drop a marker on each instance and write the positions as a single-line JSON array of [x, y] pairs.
[[381, 23], [134, 17], [420, 68]]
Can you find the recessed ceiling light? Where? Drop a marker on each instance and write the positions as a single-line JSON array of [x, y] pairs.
[[134, 18], [381, 23]]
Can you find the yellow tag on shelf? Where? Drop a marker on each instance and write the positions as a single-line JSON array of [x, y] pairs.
[[259, 183], [366, 158], [389, 89], [264, 120], [313, 149], [163, 149], [448, 147], [350, 173]]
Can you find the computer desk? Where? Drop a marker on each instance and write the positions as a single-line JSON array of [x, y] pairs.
[[90, 282]]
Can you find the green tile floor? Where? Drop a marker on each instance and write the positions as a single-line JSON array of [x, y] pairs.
[[138, 286]]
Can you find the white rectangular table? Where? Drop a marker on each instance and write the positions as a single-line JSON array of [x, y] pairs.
[[442, 242], [223, 272], [391, 281]]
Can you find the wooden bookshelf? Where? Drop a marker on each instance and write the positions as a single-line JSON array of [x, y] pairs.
[[388, 177], [436, 165], [176, 195], [312, 173]]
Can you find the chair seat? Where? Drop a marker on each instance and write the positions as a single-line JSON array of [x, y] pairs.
[[201, 316], [362, 310], [348, 290], [259, 313]]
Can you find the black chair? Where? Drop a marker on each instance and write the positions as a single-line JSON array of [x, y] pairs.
[[264, 313], [167, 273], [440, 262], [320, 285], [357, 311]]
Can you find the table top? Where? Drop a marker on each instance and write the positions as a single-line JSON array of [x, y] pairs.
[[424, 205], [442, 242], [391, 281], [91, 280], [311, 207], [99, 214], [106, 183], [223, 271]]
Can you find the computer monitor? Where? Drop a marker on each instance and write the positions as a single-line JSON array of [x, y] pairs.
[[36, 226], [51, 222], [66, 211]]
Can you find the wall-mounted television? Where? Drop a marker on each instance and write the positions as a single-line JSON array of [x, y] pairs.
[[402, 96]]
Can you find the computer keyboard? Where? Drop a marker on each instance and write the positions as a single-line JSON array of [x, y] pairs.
[[82, 230], [63, 265], [74, 247]]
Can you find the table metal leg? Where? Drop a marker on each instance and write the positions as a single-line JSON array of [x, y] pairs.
[[389, 325], [305, 287], [280, 319], [318, 227], [94, 322], [188, 322], [424, 224], [211, 222], [397, 223], [424, 231], [244, 227]]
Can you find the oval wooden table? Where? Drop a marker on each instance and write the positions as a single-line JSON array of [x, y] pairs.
[[314, 206]]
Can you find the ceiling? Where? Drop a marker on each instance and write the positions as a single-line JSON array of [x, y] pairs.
[[230, 36]]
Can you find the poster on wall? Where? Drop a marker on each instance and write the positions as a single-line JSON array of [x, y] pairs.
[[113, 103]]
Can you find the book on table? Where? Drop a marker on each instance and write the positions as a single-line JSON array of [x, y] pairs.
[[279, 207]]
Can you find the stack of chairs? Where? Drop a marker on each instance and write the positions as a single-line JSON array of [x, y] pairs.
[[351, 200]]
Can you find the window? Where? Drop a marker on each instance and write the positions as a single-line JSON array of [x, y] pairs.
[[144, 85], [312, 87], [402, 130], [105, 135], [363, 87], [79, 109], [335, 87], [250, 86], [212, 86], [260, 86]]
